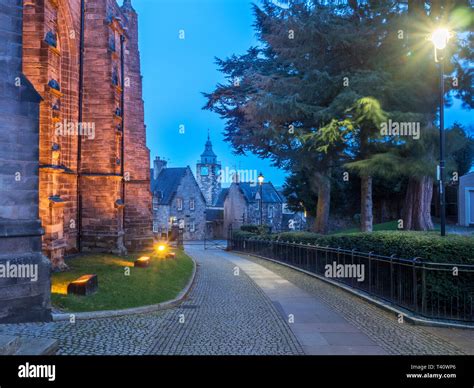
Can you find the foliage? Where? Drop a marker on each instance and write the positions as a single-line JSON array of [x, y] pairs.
[[403, 244], [256, 229]]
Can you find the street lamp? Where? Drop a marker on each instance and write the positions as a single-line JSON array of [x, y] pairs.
[[440, 38], [261, 178]]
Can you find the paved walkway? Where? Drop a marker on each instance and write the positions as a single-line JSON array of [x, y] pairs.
[[319, 329], [380, 326], [250, 313]]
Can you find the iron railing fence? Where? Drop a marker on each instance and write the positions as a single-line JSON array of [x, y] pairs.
[[433, 290]]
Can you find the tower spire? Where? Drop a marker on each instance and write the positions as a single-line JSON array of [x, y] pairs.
[[127, 5], [208, 134]]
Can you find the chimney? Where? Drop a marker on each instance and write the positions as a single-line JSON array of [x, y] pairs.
[[158, 166]]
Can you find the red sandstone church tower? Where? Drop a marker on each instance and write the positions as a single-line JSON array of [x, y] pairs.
[[83, 59]]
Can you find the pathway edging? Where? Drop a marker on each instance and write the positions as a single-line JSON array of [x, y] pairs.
[[406, 315], [135, 310]]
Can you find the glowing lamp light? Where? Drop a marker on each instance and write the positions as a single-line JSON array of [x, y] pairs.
[[261, 178], [161, 247], [440, 38]]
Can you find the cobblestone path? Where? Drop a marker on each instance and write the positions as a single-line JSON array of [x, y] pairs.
[[224, 314], [227, 313]]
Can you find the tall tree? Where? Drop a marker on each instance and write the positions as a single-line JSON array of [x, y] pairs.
[[313, 63], [285, 99], [366, 117]]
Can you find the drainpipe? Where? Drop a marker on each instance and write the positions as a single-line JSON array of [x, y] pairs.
[[122, 106], [80, 117]]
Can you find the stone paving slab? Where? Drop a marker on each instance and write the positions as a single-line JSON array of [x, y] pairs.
[[382, 327], [300, 307]]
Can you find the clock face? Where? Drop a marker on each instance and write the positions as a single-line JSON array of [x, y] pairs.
[[204, 171]]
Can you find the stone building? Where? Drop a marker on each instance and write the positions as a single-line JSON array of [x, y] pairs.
[[177, 201], [466, 200], [208, 174], [242, 206], [21, 298], [94, 190], [291, 221]]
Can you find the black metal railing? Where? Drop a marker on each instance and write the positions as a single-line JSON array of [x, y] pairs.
[[432, 290]]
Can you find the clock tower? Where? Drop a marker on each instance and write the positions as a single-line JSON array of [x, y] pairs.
[[207, 174]]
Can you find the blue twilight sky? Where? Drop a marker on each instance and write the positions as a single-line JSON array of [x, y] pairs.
[[176, 71]]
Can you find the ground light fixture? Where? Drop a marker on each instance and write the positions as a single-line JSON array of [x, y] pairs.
[[85, 285], [440, 38], [142, 262]]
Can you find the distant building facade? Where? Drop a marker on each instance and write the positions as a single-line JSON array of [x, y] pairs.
[[242, 206], [291, 221], [208, 174], [177, 201], [205, 210], [466, 200]]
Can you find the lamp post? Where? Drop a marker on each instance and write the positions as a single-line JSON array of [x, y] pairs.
[[440, 38], [261, 178]]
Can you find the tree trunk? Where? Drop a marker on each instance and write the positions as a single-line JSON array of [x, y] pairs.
[[366, 205], [324, 201], [417, 209]]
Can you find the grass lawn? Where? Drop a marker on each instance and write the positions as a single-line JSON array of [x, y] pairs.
[[163, 280]]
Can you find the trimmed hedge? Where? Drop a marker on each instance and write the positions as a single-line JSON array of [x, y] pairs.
[[242, 235], [428, 246], [256, 229]]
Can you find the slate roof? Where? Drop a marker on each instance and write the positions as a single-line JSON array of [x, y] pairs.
[[221, 198], [208, 151], [269, 193], [167, 183]]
